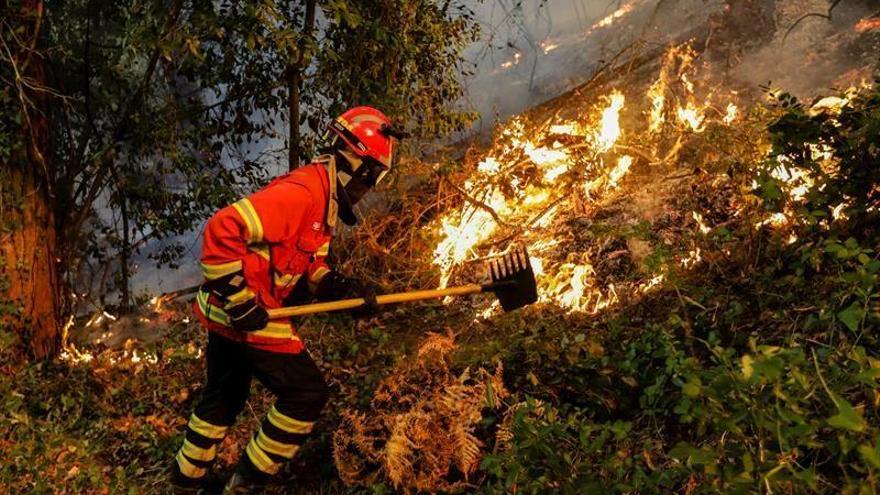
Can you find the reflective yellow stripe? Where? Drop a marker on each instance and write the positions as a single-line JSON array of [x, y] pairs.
[[289, 424], [261, 249], [276, 330], [318, 274], [212, 272], [260, 459], [210, 311], [206, 429], [275, 447], [251, 219], [193, 451], [188, 469], [240, 297], [286, 280], [324, 250]]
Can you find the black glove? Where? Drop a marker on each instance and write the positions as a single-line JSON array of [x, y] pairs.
[[248, 316], [335, 286], [244, 316]]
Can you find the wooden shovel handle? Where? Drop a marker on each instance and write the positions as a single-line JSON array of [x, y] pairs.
[[418, 295]]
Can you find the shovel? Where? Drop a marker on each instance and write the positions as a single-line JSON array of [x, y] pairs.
[[512, 281]]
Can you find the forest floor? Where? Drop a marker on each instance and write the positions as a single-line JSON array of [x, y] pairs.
[[710, 346]]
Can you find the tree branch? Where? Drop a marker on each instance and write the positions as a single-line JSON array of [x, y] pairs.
[[476, 202], [826, 15]]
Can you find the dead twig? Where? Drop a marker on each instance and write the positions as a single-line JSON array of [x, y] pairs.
[[800, 19], [479, 204]]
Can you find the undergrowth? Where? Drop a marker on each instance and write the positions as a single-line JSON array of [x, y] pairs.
[[752, 367]]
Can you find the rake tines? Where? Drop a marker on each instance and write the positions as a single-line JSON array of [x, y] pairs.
[[513, 280]]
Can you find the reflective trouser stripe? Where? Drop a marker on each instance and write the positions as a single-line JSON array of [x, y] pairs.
[[260, 459], [288, 424], [195, 452], [188, 469], [275, 447], [206, 429]]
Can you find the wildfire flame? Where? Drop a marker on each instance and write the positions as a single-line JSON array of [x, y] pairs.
[[609, 130], [610, 18], [867, 24], [533, 173]]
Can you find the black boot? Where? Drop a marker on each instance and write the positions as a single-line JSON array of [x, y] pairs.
[[246, 479], [206, 485]]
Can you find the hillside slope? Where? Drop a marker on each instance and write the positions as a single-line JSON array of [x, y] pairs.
[[707, 265]]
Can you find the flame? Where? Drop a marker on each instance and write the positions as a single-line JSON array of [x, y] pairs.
[[692, 117], [830, 104], [657, 94], [867, 24], [609, 130], [797, 180], [610, 18], [568, 128], [838, 212], [489, 166], [531, 174], [573, 298], [514, 61], [653, 282], [548, 46], [617, 173], [693, 257], [730, 113], [705, 229]]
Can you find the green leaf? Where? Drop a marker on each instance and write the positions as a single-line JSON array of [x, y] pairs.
[[852, 316], [847, 418], [685, 452], [871, 454], [692, 387], [747, 368]]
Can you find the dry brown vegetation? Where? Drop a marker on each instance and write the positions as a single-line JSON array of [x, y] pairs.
[[419, 433]]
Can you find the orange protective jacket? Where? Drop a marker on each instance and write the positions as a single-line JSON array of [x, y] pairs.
[[275, 236]]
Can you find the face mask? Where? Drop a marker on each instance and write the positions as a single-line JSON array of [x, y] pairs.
[[361, 176], [354, 188]]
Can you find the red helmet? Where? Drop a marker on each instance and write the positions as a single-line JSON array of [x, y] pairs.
[[367, 132]]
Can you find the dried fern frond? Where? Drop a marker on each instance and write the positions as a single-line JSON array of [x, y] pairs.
[[420, 433], [435, 348]]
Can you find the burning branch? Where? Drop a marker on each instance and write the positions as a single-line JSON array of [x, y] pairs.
[[479, 204]]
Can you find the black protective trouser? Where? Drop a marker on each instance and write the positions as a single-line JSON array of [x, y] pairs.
[[300, 393]]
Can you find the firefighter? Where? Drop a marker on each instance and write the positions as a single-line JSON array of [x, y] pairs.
[[266, 251]]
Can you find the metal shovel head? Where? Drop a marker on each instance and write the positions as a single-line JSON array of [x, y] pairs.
[[513, 280]]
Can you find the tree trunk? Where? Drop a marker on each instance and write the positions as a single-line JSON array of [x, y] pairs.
[[29, 302], [295, 71]]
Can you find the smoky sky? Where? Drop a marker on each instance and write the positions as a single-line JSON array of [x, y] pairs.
[[534, 50]]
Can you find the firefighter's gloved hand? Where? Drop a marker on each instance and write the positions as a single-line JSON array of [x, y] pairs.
[[368, 293], [248, 316], [335, 286]]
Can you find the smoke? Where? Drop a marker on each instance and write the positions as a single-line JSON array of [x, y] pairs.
[[541, 49], [533, 50], [816, 54]]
